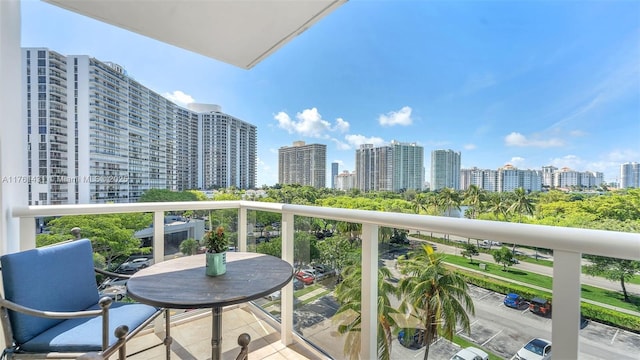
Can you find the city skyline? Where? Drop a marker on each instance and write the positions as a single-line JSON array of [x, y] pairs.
[[530, 84]]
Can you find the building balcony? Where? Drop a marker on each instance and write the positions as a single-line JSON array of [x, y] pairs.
[[568, 245]]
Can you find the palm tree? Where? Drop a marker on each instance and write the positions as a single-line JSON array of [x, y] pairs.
[[449, 199], [522, 204], [474, 197], [435, 295], [498, 205], [348, 294]]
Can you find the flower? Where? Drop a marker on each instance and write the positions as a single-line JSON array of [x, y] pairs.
[[216, 241]]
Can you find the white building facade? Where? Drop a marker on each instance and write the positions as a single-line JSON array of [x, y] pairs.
[[445, 169], [630, 175], [96, 135]]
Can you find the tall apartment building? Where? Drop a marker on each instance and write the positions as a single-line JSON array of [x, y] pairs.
[[395, 167], [566, 178], [346, 181], [373, 168], [407, 166], [630, 175], [484, 179], [547, 175], [303, 164], [229, 149], [505, 179], [445, 169], [96, 135], [334, 173]]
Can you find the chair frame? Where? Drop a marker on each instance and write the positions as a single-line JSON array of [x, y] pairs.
[[122, 333]]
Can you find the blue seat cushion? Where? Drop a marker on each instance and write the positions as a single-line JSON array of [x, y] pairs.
[[54, 278], [85, 334]]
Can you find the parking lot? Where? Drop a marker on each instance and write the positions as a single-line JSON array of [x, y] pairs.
[[503, 331]]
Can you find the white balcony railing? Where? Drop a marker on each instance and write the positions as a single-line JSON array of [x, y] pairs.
[[568, 245]]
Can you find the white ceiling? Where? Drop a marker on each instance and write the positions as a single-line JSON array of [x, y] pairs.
[[238, 32]]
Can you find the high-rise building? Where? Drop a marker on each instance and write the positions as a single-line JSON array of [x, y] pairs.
[[407, 166], [346, 181], [547, 175], [484, 179], [630, 175], [445, 169], [303, 164], [229, 149], [334, 173], [96, 135], [395, 167]]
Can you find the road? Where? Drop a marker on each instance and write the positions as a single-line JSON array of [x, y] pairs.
[[540, 269]]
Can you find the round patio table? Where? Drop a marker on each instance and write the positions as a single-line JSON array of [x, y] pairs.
[[181, 283]]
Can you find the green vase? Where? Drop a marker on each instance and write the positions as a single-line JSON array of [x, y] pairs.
[[216, 263]]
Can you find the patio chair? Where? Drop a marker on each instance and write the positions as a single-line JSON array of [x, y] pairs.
[[51, 307]]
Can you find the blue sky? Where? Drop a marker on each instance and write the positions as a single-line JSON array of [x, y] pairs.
[[525, 83]]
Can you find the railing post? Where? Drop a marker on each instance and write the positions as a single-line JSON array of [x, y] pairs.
[[242, 228], [286, 303], [27, 233], [565, 323], [369, 303], [158, 236]]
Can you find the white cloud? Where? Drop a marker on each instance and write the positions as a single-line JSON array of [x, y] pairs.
[[342, 125], [571, 161], [357, 140], [517, 139], [309, 123], [179, 98], [470, 147], [400, 117], [341, 145], [516, 161], [577, 133]]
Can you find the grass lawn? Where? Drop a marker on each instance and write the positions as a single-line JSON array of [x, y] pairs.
[[604, 296]]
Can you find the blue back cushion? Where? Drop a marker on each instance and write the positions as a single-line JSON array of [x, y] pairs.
[[55, 278]]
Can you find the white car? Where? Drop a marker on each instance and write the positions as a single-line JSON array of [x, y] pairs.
[[274, 296], [470, 353], [536, 349]]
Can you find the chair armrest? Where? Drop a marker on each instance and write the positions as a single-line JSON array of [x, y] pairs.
[[120, 346], [56, 314], [112, 274]]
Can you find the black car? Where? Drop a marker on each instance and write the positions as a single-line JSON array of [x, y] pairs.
[[411, 338], [297, 284]]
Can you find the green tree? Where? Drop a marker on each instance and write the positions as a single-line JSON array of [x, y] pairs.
[[109, 234], [348, 293], [337, 252], [614, 270], [469, 251], [474, 197], [448, 199], [189, 247], [435, 295], [503, 256], [164, 195], [521, 205]]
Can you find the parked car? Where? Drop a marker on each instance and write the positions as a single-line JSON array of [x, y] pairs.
[[323, 271], [108, 282], [116, 292], [540, 306], [470, 353], [311, 272], [305, 278], [414, 342], [513, 300], [133, 265], [297, 284], [536, 349], [274, 296]]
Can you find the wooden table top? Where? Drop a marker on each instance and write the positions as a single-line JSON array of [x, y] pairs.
[[181, 283]]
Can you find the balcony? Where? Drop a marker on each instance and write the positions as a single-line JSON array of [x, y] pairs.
[[568, 245]]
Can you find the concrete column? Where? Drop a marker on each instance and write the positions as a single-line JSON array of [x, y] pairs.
[[565, 305], [286, 304], [369, 303], [13, 136]]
